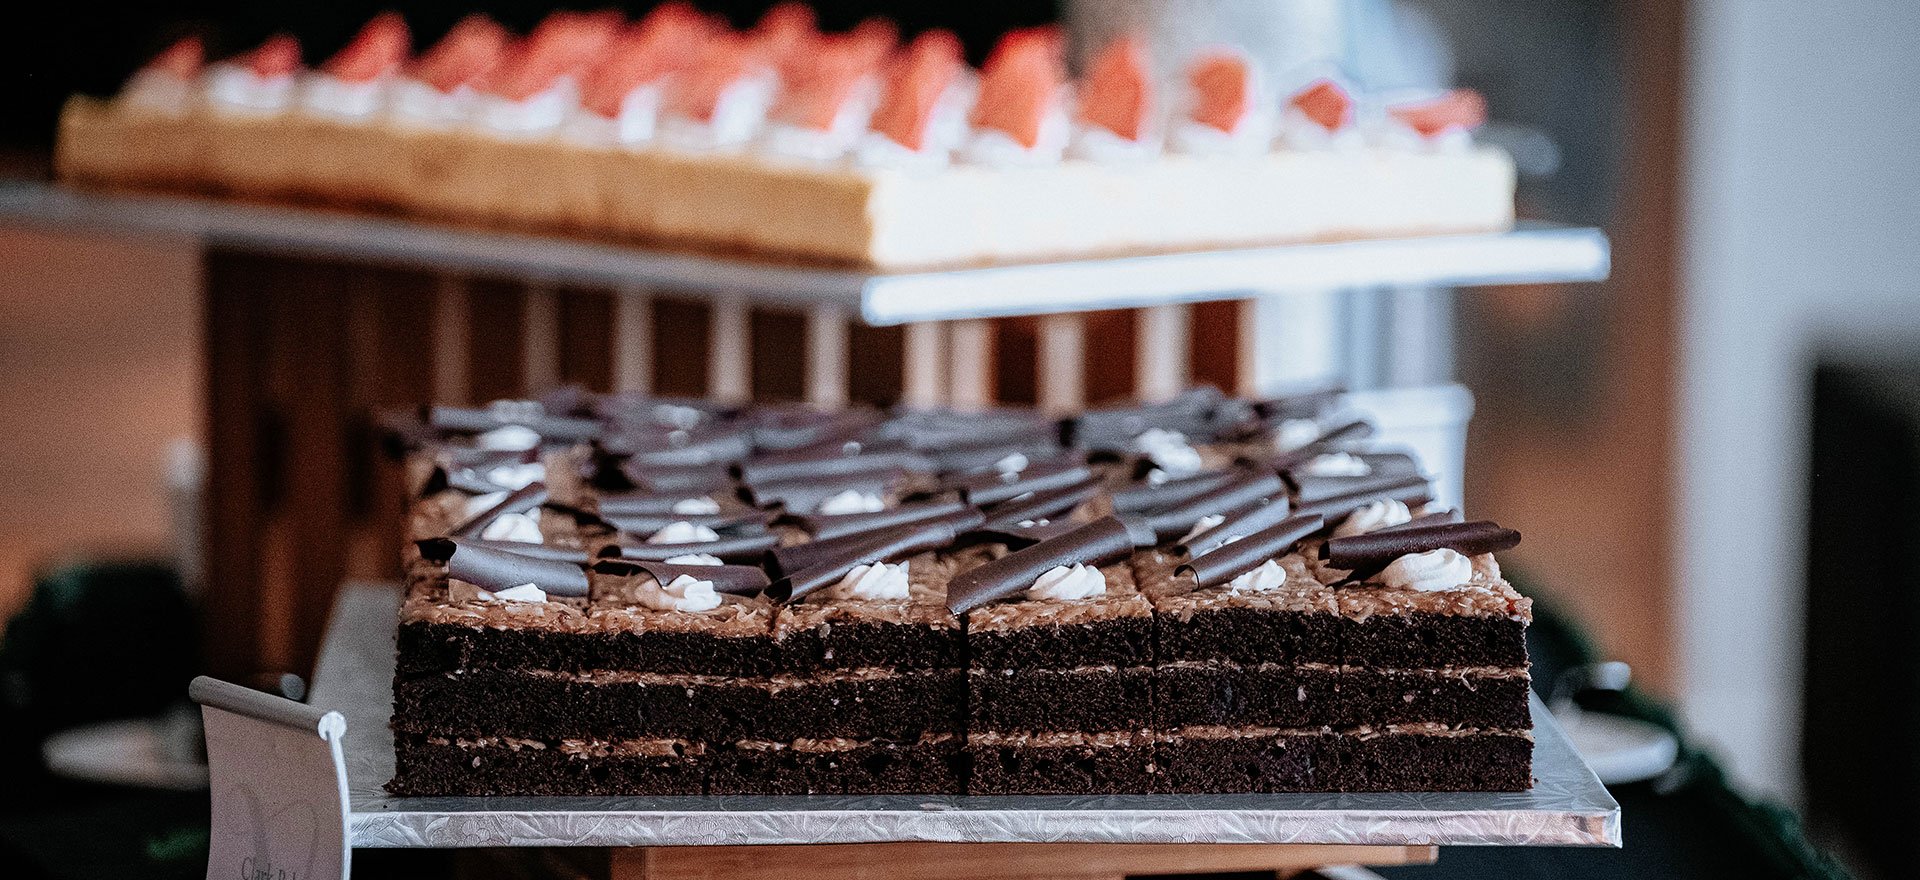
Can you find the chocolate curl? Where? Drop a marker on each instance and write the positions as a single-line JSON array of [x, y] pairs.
[[648, 523], [518, 501], [1229, 561], [467, 419], [827, 467], [1249, 489], [826, 526], [694, 479], [679, 449], [807, 494], [1304, 405], [478, 459], [1307, 490], [1041, 505], [1357, 429], [1147, 497], [440, 479], [993, 488], [1365, 555], [783, 562], [739, 580], [1115, 427], [1410, 491], [892, 545], [1018, 537], [574, 555], [1107, 539], [812, 428], [1240, 524], [963, 456], [732, 548], [495, 570], [642, 503]]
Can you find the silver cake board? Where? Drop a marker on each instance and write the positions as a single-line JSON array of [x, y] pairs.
[[1566, 807]]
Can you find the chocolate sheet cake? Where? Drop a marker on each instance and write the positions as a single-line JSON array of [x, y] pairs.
[[621, 596]]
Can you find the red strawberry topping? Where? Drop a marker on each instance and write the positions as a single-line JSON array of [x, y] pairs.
[[278, 56], [468, 51], [1222, 84], [1019, 84], [380, 47], [1460, 108], [915, 82], [1116, 92], [1326, 103]]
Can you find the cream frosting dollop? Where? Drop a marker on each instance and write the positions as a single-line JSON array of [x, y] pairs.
[[683, 532], [1337, 464], [1204, 525], [517, 476], [474, 504], [508, 438], [1012, 464], [522, 528], [158, 91], [330, 97], [533, 116], [1169, 451], [1428, 572], [1068, 582], [701, 506], [996, 149], [874, 582], [234, 88], [1295, 433], [418, 104], [694, 559], [1372, 517], [521, 593], [1268, 577], [683, 593], [851, 501]]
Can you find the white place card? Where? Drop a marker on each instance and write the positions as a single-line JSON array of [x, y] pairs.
[[279, 786]]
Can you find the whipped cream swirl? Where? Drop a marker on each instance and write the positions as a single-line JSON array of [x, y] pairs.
[[1373, 516], [1428, 572], [1268, 577], [1068, 582], [879, 581], [683, 532], [851, 501], [1169, 451], [1337, 464], [683, 593], [522, 528]]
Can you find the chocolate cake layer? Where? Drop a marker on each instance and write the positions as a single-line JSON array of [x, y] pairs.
[[1111, 630], [1037, 700], [1224, 761], [426, 648], [856, 703], [445, 766], [928, 765], [1123, 762], [1313, 695]]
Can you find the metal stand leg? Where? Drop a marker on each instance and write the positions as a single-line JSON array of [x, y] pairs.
[[925, 363], [730, 351], [1063, 357], [633, 341], [827, 355], [970, 353], [1165, 364]]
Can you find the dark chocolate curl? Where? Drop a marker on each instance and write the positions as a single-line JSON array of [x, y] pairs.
[[1147, 497], [574, 555], [1430, 519], [739, 580], [889, 546], [638, 503], [495, 570], [1018, 537], [458, 479], [1102, 541], [785, 561], [648, 523], [1308, 489], [809, 494], [820, 467], [1115, 427], [967, 457], [679, 449], [825, 526], [1248, 490], [1358, 429], [1239, 524], [1365, 555], [1409, 491], [1041, 505], [476, 420], [519, 500], [740, 548], [1229, 561], [993, 488], [693, 479]]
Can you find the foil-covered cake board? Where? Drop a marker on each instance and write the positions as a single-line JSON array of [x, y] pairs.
[[1566, 807]]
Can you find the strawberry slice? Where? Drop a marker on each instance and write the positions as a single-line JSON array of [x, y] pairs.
[[915, 82], [670, 38], [1460, 108], [1116, 93], [697, 92], [786, 30], [1222, 84], [874, 39], [1326, 103], [822, 81], [472, 48], [183, 59], [380, 47], [1019, 84], [278, 56], [564, 43]]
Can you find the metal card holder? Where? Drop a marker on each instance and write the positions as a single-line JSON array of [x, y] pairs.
[[279, 785]]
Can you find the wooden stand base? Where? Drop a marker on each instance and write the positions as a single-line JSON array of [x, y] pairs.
[[974, 861]]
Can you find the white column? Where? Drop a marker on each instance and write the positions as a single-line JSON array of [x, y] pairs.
[[633, 341], [1419, 337], [1162, 344], [827, 355], [970, 359], [1061, 373], [729, 350], [451, 319], [924, 360], [540, 328], [1289, 340]]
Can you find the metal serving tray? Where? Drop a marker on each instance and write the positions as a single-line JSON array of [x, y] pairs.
[[1567, 806]]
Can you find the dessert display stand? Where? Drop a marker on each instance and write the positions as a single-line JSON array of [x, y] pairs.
[[299, 785]]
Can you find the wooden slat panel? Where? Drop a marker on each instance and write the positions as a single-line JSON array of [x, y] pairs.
[[1214, 336], [313, 393], [874, 364], [234, 503], [970, 370], [779, 345], [974, 861], [495, 340], [679, 347], [586, 338], [1016, 360], [632, 341], [1110, 355]]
